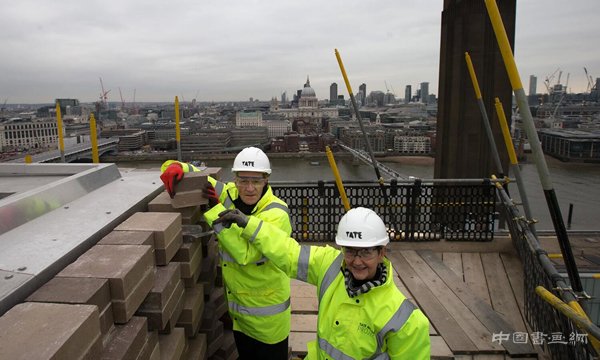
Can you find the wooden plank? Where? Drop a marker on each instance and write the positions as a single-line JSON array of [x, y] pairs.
[[439, 349], [493, 321], [453, 261], [304, 323], [402, 288], [445, 324], [514, 270], [303, 291], [501, 293], [474, 276], [468, 322], [303, 305], [298, 341]]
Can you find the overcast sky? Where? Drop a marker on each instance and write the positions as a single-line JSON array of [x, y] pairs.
[[237, 49]]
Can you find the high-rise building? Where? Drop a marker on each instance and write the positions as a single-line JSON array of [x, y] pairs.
[[333, 93], [532, 85], [424, 92], [407, 94], [284, 98], [363, 88]]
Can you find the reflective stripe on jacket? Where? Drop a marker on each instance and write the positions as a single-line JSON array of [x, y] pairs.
[[379, 324], [258, 293]]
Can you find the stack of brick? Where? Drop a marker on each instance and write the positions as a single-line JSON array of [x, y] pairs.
[[145, 291], [50, 331]]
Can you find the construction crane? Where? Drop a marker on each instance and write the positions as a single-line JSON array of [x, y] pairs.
[[548, 80], [103, 97], [135, 110], [564, 93], [590, 80], [122, 102]]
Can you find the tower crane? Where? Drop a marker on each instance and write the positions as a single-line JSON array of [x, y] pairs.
[[590, 80], [122, 102], [548, 80], [103, 97]]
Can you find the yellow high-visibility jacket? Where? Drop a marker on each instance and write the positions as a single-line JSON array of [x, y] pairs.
[[258, 292], [380, 324]]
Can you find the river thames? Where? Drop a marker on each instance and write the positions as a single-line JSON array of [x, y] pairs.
[[574, 183]]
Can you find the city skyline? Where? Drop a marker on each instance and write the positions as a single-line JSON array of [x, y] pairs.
[[238, 50]]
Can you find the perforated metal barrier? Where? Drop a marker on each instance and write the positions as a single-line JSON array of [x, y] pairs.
[[413, 212], [556, 333]]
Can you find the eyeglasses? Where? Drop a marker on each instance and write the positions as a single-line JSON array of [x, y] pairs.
[[245, 181], [363, 253]]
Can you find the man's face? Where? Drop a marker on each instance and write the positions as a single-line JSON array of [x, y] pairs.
[[362, 262], [250, 185]]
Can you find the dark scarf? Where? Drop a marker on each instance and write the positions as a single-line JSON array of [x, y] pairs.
[[355, 287], [245, 208]]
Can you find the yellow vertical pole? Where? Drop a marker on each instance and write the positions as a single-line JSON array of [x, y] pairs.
[[27, 159], [177, 129], [338, 178], [94, 139], [59, 126]]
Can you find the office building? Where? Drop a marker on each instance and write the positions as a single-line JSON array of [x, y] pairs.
[[407, 94]]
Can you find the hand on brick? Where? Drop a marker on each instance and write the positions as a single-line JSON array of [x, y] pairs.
[[232, 216], [172, 175], [211, 195]]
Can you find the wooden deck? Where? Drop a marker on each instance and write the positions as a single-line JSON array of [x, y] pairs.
[[467, 293]]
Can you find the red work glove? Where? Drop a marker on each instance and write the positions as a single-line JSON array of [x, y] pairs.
[[211, 195], [172, 175]]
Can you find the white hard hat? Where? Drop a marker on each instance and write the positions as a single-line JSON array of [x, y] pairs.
[[252, 159], [361, 227]]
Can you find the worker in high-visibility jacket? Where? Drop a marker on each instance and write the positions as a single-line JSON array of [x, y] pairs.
[[258, 292], [362, 314]]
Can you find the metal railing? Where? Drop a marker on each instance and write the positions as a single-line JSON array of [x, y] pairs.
[[417, 210], [558, 334]]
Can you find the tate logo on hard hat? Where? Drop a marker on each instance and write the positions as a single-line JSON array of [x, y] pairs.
[[354, 234], [248, 163]]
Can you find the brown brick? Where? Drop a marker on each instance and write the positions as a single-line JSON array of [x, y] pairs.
[[162, 203], [89, 291], [123, 310], [172, 346], [213, 172], [197, 348], [158, 318], [186, 251], [216, 338], [190, 265], [163, 256], [192, 181], [123, 265], [173, 320], [193, 307], [50, 331], [127, 341], [150, 344], [165, 225], [128, 238], [228, 349], [156, 352], [166, 279], [189, 191], [208, 274]]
